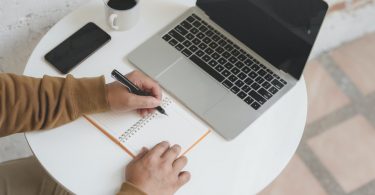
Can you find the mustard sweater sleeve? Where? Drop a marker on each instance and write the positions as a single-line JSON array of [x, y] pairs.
[[130, 189], [28, 103]]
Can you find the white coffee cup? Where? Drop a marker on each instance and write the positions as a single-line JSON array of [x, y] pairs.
[[122, 19]]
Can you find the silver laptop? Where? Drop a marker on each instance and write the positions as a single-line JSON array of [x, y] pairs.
[[230, 60]]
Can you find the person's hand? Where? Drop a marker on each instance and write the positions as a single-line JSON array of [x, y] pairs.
[[119, 97], [158, 171]]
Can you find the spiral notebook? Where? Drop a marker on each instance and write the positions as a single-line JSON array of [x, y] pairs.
[[132, 132]]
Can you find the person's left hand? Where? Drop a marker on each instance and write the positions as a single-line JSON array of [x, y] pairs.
[[119, 97]]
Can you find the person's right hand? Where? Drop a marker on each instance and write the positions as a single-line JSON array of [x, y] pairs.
[[158, 171]]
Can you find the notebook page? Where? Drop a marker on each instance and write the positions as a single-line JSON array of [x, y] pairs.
[[134, 132], [176, 128]]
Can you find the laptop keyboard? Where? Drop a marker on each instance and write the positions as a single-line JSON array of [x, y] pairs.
[[225, 61]]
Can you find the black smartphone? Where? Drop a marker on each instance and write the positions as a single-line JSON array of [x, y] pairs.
[[77, 47]]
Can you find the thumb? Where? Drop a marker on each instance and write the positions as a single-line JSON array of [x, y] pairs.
[[139, 102], [140, 155]]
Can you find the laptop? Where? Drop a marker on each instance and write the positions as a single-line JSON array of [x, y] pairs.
[[229, 61]]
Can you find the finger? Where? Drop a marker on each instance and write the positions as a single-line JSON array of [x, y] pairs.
[[171, 154], [159, 149], [139, 102], [141, 154], [180, 163], [145, 83], [183, 178], [143, 112]]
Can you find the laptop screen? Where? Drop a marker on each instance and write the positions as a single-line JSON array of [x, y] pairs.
[[281, 31]]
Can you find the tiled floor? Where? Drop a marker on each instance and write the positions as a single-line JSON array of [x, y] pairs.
[[337, 153]]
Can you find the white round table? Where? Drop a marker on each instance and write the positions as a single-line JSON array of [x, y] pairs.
[[85, 161]]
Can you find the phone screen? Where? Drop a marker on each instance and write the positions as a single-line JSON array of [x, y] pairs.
[[77, 47]]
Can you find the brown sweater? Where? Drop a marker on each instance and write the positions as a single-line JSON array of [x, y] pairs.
[[28, 104]]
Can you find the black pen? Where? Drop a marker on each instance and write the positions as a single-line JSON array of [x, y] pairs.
[[133, 88]]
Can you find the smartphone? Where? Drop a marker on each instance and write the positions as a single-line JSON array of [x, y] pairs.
[[76, 48]]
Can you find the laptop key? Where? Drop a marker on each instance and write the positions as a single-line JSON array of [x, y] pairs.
[[209, 33], [249, 81], [202, 46], [242, 76], [186, 52], [235, 70], [193, 48], [233, 59], [246, 69], [209, 51], [226, 55], [255, 86], [252, 75], [266, 85], [255, 67], [277, 84], [200, 35], [190, 19], [235, 52], [186, 25], [196, 41], [219, 68], [215, 56], [222, 42], [222, 61], [207, 40], [266, 95], [187, 43], [194, 31], [259, 80], [232, 78], [197, 24], [207, 68], [283, 81], [242, 57], [190, 36], [176, 35], [196, 17], [268, 77], [206, 58], [273, 90], [248, 62], [199, 53], [167, 37], [181, 30], [226, 73], [257, 97], [241, 95], [246, 88], [228, 66], [228, 47], [179, 47], [173, 42], [239, 64], [219, 50], [235, 89], [215, 38], [213, 45], [248, 100], [255, 105], [228, 84], [212, 63], [203, 28], [239, 83], [262, 72]]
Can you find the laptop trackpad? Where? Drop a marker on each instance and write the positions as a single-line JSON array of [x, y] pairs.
[[191, 85]]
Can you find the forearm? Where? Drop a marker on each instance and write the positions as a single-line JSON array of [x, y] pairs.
[[28, 103], [130, 189]]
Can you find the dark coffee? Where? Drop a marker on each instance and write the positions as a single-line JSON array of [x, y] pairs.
[[122, 4]]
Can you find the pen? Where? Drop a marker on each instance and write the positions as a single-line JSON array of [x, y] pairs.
[[133, 88]]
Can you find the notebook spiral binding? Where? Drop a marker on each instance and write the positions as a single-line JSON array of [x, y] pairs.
[[129, 133]]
